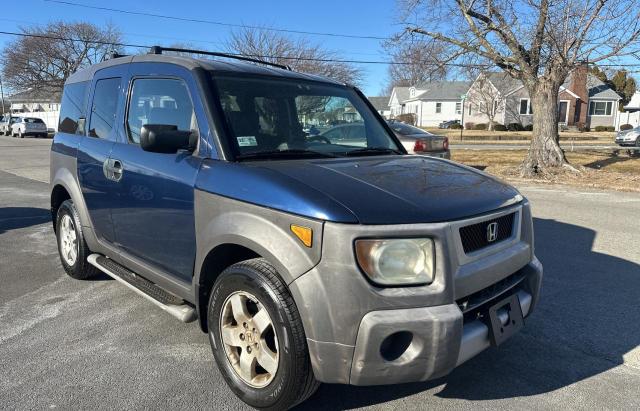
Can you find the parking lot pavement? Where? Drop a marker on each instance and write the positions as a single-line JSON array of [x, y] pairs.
[[95, 344]]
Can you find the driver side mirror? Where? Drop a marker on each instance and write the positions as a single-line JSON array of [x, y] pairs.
[[166, 138]]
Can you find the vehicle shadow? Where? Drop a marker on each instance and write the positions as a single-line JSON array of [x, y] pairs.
[[587, 298], [12, 218], [609, 159]]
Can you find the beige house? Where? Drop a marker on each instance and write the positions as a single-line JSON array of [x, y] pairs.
[[583, 100]]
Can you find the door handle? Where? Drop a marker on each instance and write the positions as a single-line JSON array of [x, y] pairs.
[[117, 170], [113, 169]]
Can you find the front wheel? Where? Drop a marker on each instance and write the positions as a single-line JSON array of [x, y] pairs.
[[257, 337]]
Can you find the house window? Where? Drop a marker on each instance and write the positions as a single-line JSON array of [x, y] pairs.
[[469, 110], [525, 107], [600, 108], [438, 108], [459, 108]]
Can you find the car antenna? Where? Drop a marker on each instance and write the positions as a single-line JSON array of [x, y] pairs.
[[160, 49]]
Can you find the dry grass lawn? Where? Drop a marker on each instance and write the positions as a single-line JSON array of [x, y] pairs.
[[596, 169], [454, 135]]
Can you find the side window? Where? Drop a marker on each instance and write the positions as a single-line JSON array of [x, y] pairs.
[[159, 101], [105, 106], [74, 103]]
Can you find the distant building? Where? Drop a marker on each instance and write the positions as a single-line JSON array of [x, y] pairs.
[[381, 105], [32, 101], [431, 102], [583, 99]]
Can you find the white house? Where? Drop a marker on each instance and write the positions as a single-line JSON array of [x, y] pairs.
[[33, 103], [397, 99], [431, 102]]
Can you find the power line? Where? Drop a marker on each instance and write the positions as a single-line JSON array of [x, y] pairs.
[[257, 56], [176, 39], [217, 23], [322, 60]]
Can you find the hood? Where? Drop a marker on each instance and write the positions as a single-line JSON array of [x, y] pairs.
[[387, 189]]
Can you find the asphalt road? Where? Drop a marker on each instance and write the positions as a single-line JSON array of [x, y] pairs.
[[96, 345]]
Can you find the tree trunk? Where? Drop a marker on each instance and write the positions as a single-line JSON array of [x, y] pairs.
[[545, 152]]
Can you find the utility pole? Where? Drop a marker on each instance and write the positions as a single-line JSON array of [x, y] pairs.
[[2, 96], [463, 98]]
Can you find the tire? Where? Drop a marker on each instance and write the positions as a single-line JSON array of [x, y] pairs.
[[20, 134], [77, 268], [293, 381]]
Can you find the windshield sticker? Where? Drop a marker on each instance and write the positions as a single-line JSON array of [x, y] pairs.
[[247, 141]]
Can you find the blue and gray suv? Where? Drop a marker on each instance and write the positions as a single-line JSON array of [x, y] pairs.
[[306, 258]]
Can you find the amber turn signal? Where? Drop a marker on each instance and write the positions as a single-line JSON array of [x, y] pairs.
[[304, 234]]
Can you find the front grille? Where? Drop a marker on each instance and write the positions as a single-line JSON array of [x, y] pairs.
[[475, 236]]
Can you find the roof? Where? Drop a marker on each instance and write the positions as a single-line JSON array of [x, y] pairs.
[[507, 84], [402, 93], [34, 96], [220, 66], [442, 90], [598, 89], [380, 103], [503, 82]]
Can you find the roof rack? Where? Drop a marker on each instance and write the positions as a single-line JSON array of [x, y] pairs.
[[113, 55], [160, 49]]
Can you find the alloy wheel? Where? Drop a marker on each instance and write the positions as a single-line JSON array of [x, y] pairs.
[[68, 240], [249, 339]]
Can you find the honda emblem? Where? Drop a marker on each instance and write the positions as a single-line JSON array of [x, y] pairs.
[[492, 232]]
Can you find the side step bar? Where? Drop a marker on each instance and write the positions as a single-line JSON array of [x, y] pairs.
[[169, 303]]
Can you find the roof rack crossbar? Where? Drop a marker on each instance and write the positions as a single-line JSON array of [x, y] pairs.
[[160, 49]]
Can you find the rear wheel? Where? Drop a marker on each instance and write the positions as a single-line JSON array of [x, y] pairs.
[[72, 247], [257, 337]]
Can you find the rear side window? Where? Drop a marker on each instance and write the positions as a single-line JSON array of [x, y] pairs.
[[74, 101], [159, 101], [104, 108]]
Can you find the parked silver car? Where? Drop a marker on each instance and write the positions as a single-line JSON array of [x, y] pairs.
[[629, 137], [28, 126], [6, 122], [417, 141]]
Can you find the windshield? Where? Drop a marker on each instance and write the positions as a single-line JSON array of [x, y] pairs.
[[268, 118], [406, 129]]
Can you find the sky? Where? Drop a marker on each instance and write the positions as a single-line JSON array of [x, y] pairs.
[[354, 17]]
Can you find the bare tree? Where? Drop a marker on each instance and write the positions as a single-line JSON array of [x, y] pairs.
[[299, 54], [538, 42], [485, 98], [414, 63], [44, 58]]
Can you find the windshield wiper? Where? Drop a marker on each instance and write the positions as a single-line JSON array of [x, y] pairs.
[[372, 151], [288, 153]]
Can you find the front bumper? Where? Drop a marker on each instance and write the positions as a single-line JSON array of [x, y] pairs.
[[435, 340], [349, 321], [626, 140]]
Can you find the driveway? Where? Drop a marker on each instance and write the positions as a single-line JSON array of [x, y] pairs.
[[94, 344]]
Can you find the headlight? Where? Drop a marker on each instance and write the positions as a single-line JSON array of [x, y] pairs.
[[397, 261]]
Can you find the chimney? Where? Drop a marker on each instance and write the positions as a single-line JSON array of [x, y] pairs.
[[578, 86]]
